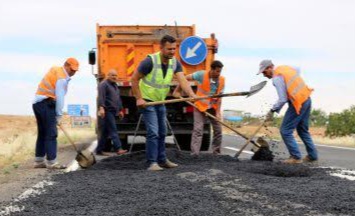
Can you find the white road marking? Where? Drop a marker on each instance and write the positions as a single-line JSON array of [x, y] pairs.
[[321, 145], [236, 149], [35, 190], [337, 147]]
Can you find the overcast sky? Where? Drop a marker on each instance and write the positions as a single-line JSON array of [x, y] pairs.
[[318, 36]]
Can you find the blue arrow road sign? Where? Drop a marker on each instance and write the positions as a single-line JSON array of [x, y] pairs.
[[193, 50]]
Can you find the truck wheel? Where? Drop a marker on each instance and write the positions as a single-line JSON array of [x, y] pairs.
[[207, 138], [124, 142], [184, 141], [206, 141]]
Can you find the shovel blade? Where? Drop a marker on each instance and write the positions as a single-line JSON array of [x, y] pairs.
[[256, 88], [85, 159]]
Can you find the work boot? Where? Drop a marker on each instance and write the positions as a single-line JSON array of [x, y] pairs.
[[292, 160], [40, 165], [121, 152], [56, 166], [168, 164], [155, 167], [308, 159], [104, 153]]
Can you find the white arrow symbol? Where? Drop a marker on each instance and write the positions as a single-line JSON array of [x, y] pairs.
[[191, 52]]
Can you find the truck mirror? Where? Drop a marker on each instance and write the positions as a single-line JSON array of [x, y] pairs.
[[92, 57]]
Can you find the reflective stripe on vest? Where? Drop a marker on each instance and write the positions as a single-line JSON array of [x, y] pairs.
[[297, 90], [154, 86], [47, 85], [204, 89]]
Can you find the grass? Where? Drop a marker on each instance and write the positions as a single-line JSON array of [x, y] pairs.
[[17, 147]]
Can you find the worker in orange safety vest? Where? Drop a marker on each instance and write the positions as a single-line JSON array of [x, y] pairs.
[[209, 83], [47, 107], [291, 89]]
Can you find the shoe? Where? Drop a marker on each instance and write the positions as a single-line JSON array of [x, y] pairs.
[[292, 160], [40, 165], [56, 166], [168, 164], [104, 153], [308, 159], [121, 152], [155, 167]]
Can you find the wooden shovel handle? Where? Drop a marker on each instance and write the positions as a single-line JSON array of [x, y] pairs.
[[226, 125], [249, 139], [197, 98]]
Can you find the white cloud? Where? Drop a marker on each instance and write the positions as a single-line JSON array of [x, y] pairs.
[[323, 27]]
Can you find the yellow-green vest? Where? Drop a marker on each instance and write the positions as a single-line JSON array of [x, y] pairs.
[[154, 86]]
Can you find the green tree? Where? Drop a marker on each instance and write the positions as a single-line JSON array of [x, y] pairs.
[[318, 118], [341, 124]]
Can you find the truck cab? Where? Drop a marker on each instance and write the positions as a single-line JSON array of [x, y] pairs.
[[122, 48]]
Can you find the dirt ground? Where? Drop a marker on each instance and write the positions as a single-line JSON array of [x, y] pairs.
[[16, 162]]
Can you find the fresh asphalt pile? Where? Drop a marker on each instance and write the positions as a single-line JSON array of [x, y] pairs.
[[204, 185]]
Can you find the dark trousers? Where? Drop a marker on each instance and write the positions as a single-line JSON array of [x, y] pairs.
[[108, 129], [46, 144]]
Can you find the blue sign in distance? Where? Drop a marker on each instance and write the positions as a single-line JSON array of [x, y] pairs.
[[78, 109], [193, 50]]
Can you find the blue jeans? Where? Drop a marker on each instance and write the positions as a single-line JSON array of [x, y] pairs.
[[154, 119], [300, 122], [46, 144], [108, 129]]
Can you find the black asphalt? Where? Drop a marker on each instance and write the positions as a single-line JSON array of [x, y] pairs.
[[329, 156], [207, 185]]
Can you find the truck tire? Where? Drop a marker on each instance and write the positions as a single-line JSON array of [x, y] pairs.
[[184, 141], [124, 142]]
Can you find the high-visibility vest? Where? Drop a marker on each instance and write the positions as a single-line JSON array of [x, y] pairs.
[[48, 84], [204, 89], [297, 90], [154, 86]]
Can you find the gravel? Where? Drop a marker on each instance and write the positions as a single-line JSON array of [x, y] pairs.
[[204, 185]]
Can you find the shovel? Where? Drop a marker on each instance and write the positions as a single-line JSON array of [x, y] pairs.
[[230, 128], [253, 90], [84, 158], [249, 140]]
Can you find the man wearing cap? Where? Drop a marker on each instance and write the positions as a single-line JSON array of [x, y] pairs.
[[293, 90], [47, 107]]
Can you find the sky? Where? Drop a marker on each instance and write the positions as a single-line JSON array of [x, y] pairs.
[[317, 36]]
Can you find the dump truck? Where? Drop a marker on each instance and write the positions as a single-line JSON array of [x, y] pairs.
[[122, 48]]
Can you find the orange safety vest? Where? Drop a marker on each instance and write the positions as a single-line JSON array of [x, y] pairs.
[[204, 89], [47, 86], [297, 90]]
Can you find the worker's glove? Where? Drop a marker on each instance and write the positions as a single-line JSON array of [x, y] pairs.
[[269, 116], [59, 120]]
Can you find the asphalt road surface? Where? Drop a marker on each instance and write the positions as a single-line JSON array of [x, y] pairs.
[[206, 185], [330, 156]]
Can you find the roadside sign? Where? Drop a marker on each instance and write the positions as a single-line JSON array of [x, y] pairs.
[[80, 121], [78, 109], [193, 50]]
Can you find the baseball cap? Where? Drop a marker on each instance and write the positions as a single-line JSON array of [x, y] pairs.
[[263, 65], [73, 63]]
